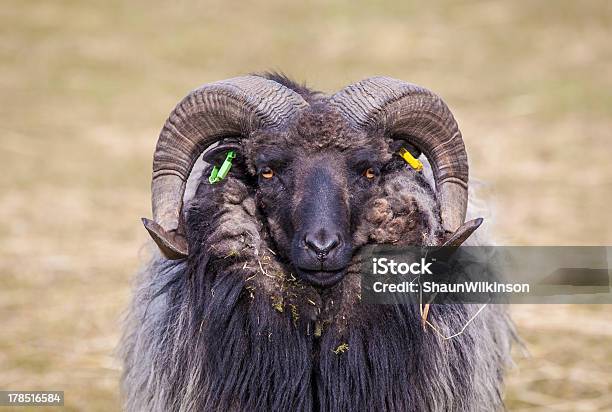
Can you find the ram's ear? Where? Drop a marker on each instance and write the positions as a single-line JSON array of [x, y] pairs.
[[216, 156], [399, 142], [464, 231]]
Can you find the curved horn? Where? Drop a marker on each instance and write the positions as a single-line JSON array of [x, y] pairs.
[[209, 113], [422, 119]]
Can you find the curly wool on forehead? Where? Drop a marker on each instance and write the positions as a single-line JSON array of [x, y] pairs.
[[321, 126], [318, 127]]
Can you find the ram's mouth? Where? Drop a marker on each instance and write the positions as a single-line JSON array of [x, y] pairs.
[[321, 278]]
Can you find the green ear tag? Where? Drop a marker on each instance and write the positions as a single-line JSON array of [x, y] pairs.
[[218, 174]]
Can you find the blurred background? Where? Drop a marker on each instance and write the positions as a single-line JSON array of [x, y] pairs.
[[87, 85]]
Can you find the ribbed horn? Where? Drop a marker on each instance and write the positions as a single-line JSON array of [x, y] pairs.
[[420, 117], [227, 108]]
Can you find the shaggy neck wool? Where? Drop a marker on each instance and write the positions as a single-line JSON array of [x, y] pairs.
[[233, 329]]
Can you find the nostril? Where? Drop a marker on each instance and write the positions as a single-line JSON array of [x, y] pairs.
[[321, 244]]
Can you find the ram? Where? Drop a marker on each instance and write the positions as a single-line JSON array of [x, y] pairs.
[[254, 301]]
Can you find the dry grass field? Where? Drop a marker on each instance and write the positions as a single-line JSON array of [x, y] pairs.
[[86, 86]]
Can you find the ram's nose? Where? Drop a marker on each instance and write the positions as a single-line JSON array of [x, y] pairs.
[[321, 256], [322, 243]]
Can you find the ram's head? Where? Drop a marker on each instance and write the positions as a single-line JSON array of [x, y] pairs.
[[322, 171]]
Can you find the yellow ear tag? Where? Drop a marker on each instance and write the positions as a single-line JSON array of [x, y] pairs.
[[411, 160]]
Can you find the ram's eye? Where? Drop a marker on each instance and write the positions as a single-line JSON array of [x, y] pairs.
[[369, 173], [267, 173]]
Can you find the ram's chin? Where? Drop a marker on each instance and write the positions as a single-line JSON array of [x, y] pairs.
[[321, 278]]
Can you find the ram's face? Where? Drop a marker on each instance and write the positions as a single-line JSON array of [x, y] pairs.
[[312, 201], [312, 184]]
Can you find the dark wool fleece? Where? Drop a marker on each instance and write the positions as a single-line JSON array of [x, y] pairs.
[[232, 329]]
